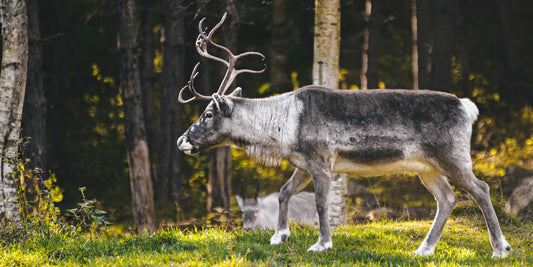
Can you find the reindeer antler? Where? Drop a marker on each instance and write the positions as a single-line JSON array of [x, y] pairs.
[[201, 47], [190, 85]]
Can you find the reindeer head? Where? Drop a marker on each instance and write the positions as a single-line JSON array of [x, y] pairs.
[[212, 129]]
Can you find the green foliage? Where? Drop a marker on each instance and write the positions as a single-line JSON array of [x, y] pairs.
[[495, 161], [86, 217], [37, 192], [464, 243], [42, 220]]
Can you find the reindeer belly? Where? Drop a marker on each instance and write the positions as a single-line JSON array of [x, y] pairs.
[[391, 163]]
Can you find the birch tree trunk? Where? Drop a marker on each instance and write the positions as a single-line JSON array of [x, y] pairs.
[[172, 77], [138, 156], [12, 88], [326, 73]]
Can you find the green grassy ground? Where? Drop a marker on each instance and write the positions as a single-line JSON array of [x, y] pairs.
[[464, 243]]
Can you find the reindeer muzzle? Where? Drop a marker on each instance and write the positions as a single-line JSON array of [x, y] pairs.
[[185, 146]]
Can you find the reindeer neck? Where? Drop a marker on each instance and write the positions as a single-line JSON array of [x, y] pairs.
[[266, 128]]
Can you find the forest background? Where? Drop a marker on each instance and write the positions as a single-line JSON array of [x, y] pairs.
[[475, 49]]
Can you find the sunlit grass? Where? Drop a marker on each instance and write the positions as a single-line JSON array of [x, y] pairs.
[[464, 242]]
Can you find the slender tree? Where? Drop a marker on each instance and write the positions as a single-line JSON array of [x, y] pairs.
[[34, 121], [59, 94], [172, 76], [326, 73], [514, 82], [138, 154], [441, 53], [147, 72], [12, 87], [424, 24], [371, 36], [435, 36], [279, 75], [414, 39], [34, 113], [219, 177]]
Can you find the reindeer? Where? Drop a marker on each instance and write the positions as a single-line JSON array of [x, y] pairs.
[[260, 212], [366, 133]]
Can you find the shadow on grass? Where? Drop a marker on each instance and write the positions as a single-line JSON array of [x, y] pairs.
[[384, 243]]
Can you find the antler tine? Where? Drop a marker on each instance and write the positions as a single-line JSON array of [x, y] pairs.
[[232, 73], [202, 39], [250, 70], [201, 47], [190, 85]]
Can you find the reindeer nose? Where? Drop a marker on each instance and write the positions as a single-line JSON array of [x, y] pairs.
[[180, 140], [185, 146]]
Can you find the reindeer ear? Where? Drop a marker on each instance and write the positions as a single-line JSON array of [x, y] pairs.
[[240, 202], [237, 92], [224, 105]]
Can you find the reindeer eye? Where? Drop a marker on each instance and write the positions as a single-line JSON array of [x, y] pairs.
[[208, 115]]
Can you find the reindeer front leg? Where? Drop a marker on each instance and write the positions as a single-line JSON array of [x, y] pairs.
[[321, 178], [296, 183]]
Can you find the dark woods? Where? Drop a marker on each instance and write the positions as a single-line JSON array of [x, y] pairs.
[[81, 113]]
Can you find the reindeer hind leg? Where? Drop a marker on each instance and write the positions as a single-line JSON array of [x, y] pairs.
[[457, 166], [446, 199], [479, 190]]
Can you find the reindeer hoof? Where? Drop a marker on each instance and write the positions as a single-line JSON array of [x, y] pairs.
[[424, 252], [502, 253], [320, 247], [279, 237]]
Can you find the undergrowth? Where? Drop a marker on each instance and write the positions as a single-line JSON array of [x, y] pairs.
[[464, 243], [41, 221]]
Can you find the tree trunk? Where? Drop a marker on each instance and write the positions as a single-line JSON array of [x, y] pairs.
[[279, 75], [12, 87], [219, 181], [366, 39], [138, 154], [172, 77], [34, 121], [59, 95], [414, 38], [376, 24], [147, 72], [371, 37], [34, 112], [424, 24], [514, 79], [441, 55], [219, 177], [326, 73]]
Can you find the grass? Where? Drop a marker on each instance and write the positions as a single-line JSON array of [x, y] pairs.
[[464, 243]]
